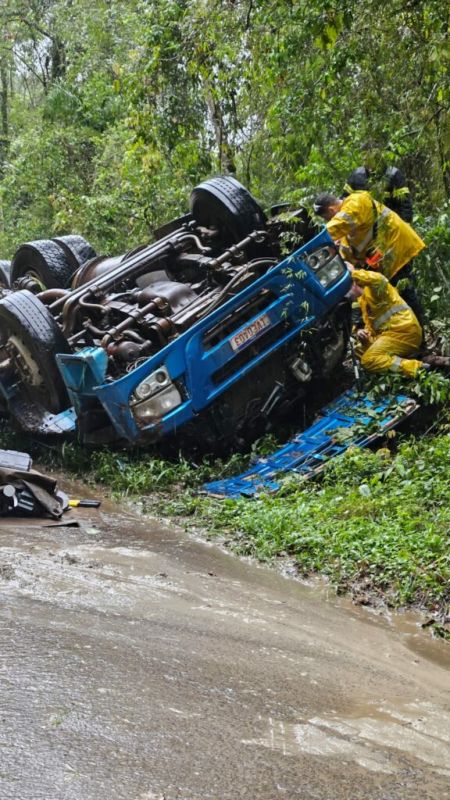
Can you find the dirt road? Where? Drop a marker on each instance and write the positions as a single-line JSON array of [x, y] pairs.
[[138, 664]]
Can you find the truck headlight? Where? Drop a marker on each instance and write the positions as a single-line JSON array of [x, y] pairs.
[[154, 408], [154, 397], [327, 264], [331, 271], [154, 383]]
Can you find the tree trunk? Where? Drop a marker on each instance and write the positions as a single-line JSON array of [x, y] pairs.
[[4, 114], [58, 60], [442, 136], [226, 161]]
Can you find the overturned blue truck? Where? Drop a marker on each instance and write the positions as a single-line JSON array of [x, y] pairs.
[[222, 321]]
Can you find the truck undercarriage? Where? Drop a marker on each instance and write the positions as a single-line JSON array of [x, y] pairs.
[[213, 329]]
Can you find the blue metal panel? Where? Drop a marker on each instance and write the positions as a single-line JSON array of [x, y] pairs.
[[307, 452], [82, 372]]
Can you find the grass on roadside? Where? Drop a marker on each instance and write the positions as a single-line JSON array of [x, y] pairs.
[[376, 525]]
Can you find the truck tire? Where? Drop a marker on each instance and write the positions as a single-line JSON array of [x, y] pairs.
[[5, 273], [225, 204], [43, 261], [76, 249], [30, 340]]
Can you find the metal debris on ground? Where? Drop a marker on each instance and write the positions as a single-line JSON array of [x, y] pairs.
[[25, 492], [13, 459], [352, 420]]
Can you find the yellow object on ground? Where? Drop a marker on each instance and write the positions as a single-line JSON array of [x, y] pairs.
[[393, 329], [84, 503], [353, 227]]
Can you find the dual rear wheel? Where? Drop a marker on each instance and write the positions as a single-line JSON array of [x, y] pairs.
[[50, 263]]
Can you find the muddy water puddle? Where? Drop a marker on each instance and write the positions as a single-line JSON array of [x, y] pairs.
[[417, 728], [137, 663]]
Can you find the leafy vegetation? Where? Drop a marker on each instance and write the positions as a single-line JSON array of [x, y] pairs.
[[109, 115], [375, 524]]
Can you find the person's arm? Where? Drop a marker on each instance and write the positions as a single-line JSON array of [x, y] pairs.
[[356, 208], [340, 225], [345, 250], [365, 277]]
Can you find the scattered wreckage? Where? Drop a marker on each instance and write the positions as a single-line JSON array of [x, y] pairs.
[[220, 323], [354, 419], [25, 492]]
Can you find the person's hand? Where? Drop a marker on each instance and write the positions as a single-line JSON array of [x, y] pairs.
[[363, 336]]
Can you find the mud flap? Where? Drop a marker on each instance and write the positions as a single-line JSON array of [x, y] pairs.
[[34, 418], [353, 420]]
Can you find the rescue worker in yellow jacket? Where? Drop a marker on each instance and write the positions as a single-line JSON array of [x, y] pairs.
[[372, 236], [392, 334]]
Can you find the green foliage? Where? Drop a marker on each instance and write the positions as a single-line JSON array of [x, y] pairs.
[[131, 472], [432, 265], [429, 387], [114, 111], [50, 171], [376, 524]]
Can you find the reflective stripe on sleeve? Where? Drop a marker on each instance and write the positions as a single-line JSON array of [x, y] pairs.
[[379, 321], [347, 217], [396, 364]]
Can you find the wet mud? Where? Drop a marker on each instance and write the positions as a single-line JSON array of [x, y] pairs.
[[139, 664]]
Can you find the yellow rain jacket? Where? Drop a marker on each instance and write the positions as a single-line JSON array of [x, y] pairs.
[[393, 328], [364, 225]]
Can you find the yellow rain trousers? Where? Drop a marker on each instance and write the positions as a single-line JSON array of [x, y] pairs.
[[393, 328], [353, 226]]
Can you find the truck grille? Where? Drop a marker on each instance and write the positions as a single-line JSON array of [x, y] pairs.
[[236, 319], [258, 346]]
